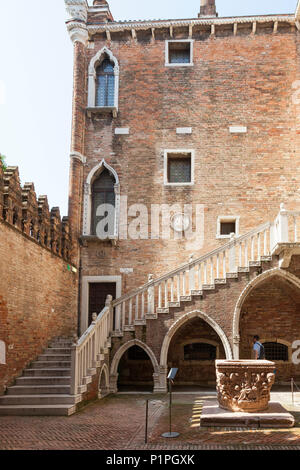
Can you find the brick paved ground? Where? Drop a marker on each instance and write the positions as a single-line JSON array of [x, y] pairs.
[[117, 422]]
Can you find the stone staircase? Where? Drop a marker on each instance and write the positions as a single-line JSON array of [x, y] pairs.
[[45, 387]]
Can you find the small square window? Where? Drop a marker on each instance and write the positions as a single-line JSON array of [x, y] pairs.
[[227, 228], [227, 225], [179, 53], [178, 168]]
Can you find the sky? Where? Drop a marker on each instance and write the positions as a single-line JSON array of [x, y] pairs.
[[36, 61]]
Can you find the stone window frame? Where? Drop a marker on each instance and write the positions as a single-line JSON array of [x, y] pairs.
[[190, 64], [86, 280], [92, 78], [179, 151], [228, 218], [87, 198], [280, 341]]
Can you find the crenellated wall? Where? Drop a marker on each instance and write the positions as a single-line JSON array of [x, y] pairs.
[[20, 208], [38, 284]]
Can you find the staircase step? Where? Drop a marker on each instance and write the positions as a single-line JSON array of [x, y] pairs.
[[162, 310], [52, 357], [37, 410], [243, 269], [51, 364], [197, 293], [208, 287], [58, 351], [266, 258], [220, 281], [47, 372], [232, 275], [39, 390], [39, 399], [255, 264], [186, 298], [25, 381]]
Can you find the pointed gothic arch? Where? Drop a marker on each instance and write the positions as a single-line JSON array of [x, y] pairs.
[[184, 319], [96, 62], [275, 272], [87, 207], [103, 388], [128, 345]]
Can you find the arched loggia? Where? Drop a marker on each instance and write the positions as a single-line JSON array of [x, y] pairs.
[[138, 373]]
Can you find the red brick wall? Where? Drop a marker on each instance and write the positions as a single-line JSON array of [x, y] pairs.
[[236, 80], [272, 311], [38, 300]]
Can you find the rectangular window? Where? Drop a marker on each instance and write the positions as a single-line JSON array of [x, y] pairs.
[[179, 52], [227, 225], [178, 168], [227, 228]]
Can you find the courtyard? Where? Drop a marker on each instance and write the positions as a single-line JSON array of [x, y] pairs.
[[118, 423]]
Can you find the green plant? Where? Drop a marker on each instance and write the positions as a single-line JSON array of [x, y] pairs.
[[3, 158]]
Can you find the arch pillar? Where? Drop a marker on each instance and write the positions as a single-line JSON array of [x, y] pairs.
[[160, 380], [113, 383]]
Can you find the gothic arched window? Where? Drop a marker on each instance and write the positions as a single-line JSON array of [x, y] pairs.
[[103, 193], [105, 84]]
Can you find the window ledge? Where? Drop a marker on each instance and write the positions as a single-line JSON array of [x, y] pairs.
[[180, 65], [222, 237], [102, 110], [86, 239]]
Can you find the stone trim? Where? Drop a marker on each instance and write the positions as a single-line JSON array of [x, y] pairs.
[[179, 151], [2, 352], [228, 218], [145, 25], [252, 284], [78, 156], [96, 60], [103, 392], [167, 57], [180, 322], [87, 198], [86, 280]]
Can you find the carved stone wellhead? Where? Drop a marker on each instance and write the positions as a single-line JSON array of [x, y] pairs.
[[245, 385]]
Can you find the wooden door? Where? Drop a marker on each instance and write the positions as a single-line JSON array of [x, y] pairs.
[[98, 293]]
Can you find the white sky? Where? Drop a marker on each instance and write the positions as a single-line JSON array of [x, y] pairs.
[[36, 60]]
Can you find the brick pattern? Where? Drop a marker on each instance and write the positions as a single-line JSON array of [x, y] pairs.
[[38, 297], [239, 175]]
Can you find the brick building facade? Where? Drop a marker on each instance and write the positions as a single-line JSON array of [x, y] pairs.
[[197, 114], [215, 95]]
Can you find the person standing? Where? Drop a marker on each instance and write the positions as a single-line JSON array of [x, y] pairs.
[[258, 349]]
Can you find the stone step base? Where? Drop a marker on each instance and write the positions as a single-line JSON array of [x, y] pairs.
[[51, 364], [47, 372], [25, 381], [37, 410], [54, 357], [39, 399], [275, 417], [39, 390]]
